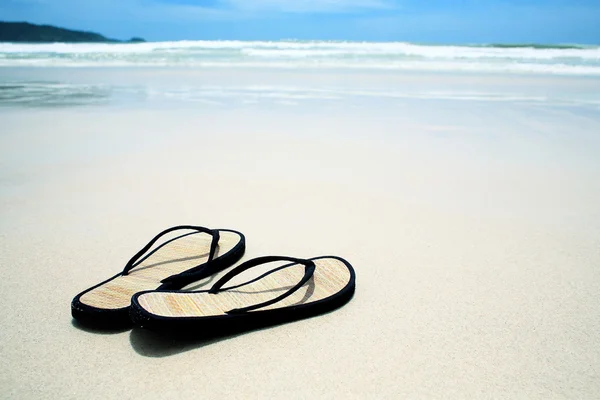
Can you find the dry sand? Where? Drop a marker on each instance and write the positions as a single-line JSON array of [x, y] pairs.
[[474, 228]]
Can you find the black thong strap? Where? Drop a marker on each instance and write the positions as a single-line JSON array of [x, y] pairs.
[[137, 259], [308, 274]]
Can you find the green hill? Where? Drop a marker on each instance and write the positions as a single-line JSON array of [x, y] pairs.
[[31, 33]]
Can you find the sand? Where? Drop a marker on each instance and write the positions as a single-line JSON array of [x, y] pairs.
[[473, 226]]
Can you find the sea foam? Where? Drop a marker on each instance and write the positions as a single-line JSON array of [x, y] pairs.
[[569, 60]]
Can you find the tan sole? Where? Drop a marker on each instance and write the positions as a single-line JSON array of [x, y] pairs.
[[175, 257], [330, 277]]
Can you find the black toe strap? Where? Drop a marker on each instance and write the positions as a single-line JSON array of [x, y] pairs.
[[137, 259], [308, 273]]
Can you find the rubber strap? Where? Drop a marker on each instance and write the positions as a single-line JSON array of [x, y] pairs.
[[137, 259], [308, 273]]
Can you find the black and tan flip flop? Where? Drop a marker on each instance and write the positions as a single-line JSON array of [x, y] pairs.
[[299, 289], [174, 258]]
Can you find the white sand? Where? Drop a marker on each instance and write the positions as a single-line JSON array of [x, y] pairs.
[[474, 228]]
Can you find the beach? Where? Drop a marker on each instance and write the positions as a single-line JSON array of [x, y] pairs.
[[467, 203]]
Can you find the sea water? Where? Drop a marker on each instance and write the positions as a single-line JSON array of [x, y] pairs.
[[291, 72]]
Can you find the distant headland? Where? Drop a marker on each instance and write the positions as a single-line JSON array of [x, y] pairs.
[[25, 32]]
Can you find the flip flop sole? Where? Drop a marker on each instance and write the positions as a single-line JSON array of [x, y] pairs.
[[331, 286], [107, 303]]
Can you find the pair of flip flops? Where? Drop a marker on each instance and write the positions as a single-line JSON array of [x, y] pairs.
[[148, 291]]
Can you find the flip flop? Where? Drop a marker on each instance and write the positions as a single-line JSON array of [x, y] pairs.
[[300, 289], [172, 264]]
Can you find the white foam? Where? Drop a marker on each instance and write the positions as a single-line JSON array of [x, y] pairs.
[[292, 54]]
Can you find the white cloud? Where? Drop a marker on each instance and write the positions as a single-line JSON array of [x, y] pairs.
[[309, 6], [183, 13], [157, 10]]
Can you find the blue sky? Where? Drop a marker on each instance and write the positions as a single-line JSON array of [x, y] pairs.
[[432, 21]]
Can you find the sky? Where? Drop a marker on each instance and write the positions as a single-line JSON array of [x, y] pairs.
[[422, 21]]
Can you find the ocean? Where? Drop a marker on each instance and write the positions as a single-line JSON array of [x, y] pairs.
[[217, 73], [535, 59]]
